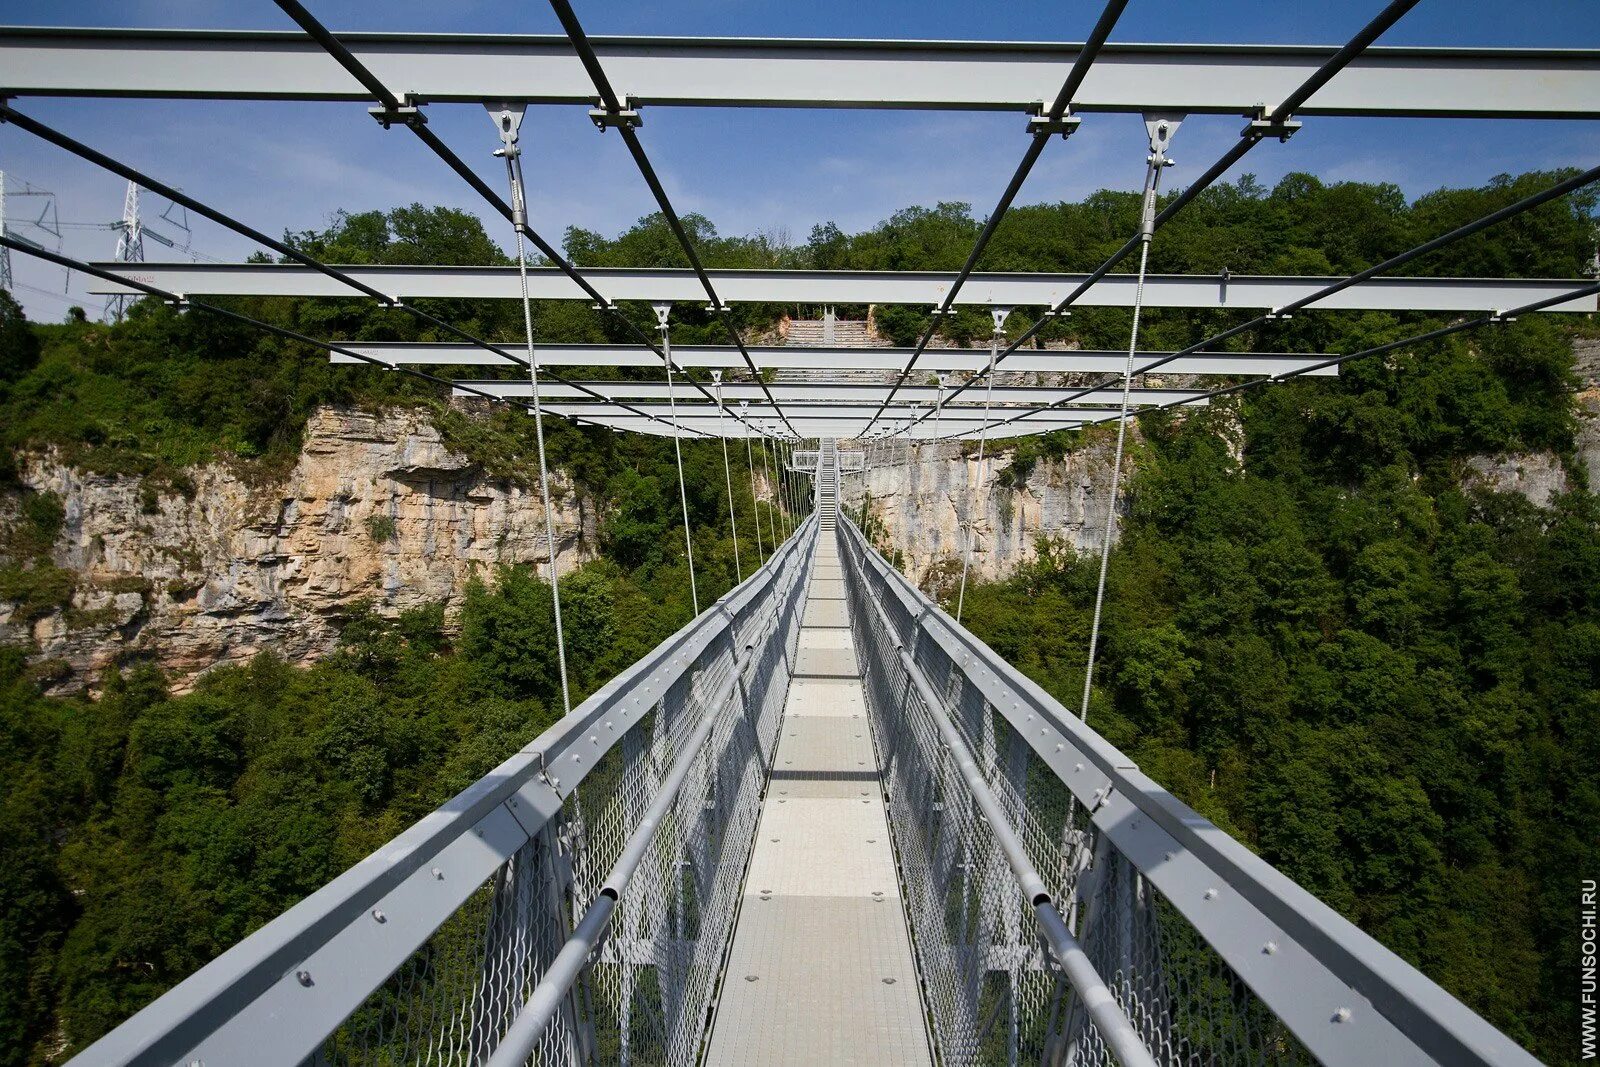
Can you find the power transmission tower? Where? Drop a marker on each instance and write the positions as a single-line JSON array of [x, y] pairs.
[[130, 247], [25, 228], [132, 233]]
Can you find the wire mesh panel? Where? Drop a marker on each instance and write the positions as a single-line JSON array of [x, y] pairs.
[[996, 994], [643, 994]]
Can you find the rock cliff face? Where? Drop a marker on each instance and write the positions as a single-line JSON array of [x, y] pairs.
[[1586, 357], [921, 509], [377, 507]]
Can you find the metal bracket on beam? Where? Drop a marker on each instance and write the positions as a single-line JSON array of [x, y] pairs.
[[1040, 122], [1500, 318], [719, 309], [604, 118], [407, 114], [1262, 125], [949, 312]]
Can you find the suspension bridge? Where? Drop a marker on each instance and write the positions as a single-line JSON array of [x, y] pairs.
[[822, 822]]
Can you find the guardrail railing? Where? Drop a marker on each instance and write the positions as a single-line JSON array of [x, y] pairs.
[[644, 798], [1211, 954]]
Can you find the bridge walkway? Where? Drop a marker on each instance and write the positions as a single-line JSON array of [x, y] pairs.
[[821, 968]]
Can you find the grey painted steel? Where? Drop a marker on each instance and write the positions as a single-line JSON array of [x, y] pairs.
[[1113, 1025], [293, 982], [928, 288], [823, 392], [844, 430], [556, 983], [1344, 996], [699, 415], [1223, 78], [822, 925], [800, 357]]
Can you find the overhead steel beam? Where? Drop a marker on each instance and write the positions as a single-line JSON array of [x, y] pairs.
[[821, 392], [1248, 292], [945, 75], [697, 415], [799, 357], [844, 429]]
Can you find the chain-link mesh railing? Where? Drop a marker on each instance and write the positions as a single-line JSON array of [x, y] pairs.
[[996, 993], [642, 997], [429, 951]]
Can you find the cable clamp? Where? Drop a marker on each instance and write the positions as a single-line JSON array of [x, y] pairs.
[[1278, 315], [947, 312], [178, 302], [1040, 122], [1262, 125], [1502, 318], [407, 114], [1051, 313], [628, 116], [719, 309]]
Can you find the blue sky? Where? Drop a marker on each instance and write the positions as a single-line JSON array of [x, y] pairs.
[[289, 166]]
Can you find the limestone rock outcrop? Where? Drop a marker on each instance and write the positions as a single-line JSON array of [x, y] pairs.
[[921, 508], [376, 508]]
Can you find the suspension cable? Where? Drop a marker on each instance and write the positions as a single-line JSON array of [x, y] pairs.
[[750, 465], [905, 510], [507, 123], [782, 460], [1276, 124], [772, 522], [983, 441], [662, 311], [777, 487], [727, 473], [1161, 131]]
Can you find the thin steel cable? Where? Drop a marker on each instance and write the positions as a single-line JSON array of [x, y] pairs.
[[612, 106], [396, 113], [1046, 128], [772, 522], [677, 451], [1527, 203], [1249, 138], [513, 156], [544, 473], [176, 300], [905, 512], [105, 162], [755, 506], [784, 515], [727, 472], [983, 442], [1111, 496]]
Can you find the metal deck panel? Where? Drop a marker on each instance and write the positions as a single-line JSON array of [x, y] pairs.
[[821, 968], [826, 613]]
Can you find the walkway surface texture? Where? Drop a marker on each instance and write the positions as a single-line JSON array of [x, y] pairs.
[[821, 969]]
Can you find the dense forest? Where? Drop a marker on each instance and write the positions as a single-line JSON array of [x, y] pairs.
[[1385, 683]]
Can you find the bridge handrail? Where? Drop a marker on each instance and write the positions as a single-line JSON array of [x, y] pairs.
[[296, 979], [1313, 968]]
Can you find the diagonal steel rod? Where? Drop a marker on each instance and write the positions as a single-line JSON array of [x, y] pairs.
[[1249, 138], [100, 159], [1527, 203], [1041, 136], [412, 120], [1498, 317], [613, 105], [179, 300]]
